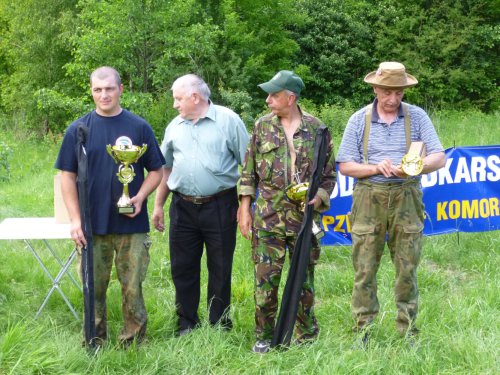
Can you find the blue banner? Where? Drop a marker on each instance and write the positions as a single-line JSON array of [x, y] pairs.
[[463, 196]]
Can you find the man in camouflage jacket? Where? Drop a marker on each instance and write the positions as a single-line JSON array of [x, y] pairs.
[[281, 148]]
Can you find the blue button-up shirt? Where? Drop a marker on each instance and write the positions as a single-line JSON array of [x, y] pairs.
[[204, 157]]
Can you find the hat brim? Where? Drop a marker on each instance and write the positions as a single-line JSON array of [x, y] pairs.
[[370, 79], [270, 88]]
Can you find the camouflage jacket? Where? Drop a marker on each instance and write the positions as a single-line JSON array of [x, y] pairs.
[[267, 169]]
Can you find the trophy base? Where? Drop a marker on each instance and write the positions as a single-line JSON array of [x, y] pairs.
[[125, 210], [317, 231], [319, 235]]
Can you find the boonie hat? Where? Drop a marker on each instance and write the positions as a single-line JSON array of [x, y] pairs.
[[283, 80], [391, 75]]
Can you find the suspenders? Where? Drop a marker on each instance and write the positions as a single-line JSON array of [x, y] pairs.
[[368, 124]]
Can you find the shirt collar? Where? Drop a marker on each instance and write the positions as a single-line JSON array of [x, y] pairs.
[[211, 114], [302, 127], [376, 117]]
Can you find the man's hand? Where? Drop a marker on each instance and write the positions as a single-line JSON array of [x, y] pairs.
[[158, 219], [398, 171], [385, 167], [77, 234], [316, 201], [244, 217], [137, 202]]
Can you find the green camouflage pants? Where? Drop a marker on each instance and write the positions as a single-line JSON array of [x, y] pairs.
[[269, 253], [394, 212], [131, 262]]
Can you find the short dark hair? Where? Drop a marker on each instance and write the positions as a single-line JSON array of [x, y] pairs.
[[104, 72]]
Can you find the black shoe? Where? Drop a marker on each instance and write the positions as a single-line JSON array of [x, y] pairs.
[[223, 324], [96, 342], [411, 337], [184, 332], [306, 339], [361, 341]]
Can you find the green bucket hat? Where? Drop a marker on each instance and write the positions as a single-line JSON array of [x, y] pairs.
[[284, 80]]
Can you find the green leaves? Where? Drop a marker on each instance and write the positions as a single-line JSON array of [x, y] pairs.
[[48, 49]]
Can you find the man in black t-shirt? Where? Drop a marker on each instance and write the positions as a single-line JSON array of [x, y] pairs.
[[123, 237]]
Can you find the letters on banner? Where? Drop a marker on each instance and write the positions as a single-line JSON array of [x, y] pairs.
[[463, 196]]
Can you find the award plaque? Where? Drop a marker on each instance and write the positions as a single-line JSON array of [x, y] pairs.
[[125, 153], [298, 194], [412, 163]]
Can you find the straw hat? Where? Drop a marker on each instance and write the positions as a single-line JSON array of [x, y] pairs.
[[391, 75]]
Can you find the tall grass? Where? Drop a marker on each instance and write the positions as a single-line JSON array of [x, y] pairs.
[[459, 316]]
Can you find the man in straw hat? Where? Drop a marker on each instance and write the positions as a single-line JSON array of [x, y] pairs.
[[387, 203]]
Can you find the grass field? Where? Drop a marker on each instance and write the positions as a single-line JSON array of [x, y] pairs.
[[458, 279]]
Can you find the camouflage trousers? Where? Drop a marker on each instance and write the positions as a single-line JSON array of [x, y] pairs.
[[269, 253], [393, 213], [131, 255]]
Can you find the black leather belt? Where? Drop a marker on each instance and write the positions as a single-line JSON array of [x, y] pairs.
[[206, 198]]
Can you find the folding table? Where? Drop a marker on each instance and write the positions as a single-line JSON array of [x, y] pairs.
[[44, 229]]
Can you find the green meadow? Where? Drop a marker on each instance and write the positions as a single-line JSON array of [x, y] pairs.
[[458, 279]]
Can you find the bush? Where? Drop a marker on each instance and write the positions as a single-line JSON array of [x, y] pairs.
[[5, 156]]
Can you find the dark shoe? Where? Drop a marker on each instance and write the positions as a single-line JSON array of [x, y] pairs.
[[361, 341], [412, 336], [96, 342], [261, 346], [224, 324], [126, 343], [306, 339], [184, 332]]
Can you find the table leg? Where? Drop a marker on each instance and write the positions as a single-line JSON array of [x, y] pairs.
[[55, 281], [61, 263]]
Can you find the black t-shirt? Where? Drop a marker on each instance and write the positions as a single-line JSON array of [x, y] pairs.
[[103, 185]]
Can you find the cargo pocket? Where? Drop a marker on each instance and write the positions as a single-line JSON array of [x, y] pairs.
[[412, 244], [361, 229], [364, 235], [413, 228]]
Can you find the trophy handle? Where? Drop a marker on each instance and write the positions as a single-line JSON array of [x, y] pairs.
[[111, 153], [143, 150]]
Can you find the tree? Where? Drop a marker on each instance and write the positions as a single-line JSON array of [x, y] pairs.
[[35, 51], [452, 46], [336, 44]]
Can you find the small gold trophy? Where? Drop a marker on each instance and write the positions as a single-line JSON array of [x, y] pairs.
[[412, 163], [126, 153], [298, 194]]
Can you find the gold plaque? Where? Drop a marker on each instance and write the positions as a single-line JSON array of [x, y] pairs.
[[412, 163]]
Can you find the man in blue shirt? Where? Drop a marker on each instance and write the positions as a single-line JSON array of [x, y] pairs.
[[124, 237], [387, 203], [203, 147]]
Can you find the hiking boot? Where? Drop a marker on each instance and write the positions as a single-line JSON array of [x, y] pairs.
[[412, 336], [306, 339], [361, 341], [261, 346]]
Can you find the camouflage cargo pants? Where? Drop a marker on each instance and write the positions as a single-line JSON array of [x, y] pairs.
[[394, 212], [131, 254], [269, 253]]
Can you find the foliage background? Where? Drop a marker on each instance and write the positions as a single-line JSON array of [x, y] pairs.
[[49, 47]]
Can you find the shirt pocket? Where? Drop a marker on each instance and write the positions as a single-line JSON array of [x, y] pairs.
[[267, 160]]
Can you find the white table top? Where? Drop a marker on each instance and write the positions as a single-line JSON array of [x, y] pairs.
[[36, 228]]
